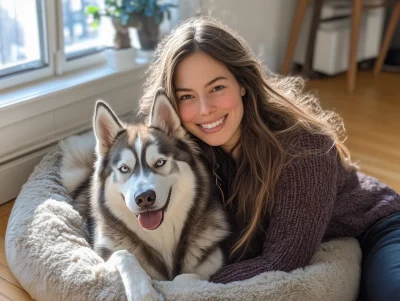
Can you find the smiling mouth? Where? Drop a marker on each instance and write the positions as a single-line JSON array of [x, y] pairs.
[[152, 219], [212, 125]]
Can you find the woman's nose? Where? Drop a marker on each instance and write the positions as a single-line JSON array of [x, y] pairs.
[[206, 106]]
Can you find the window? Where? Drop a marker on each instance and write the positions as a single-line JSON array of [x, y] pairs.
[[34, 43], [80, 38], [22, 40], [43, 38], [80, 44]]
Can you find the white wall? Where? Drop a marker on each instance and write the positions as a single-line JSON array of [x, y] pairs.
[[264, 24], [28, 129]]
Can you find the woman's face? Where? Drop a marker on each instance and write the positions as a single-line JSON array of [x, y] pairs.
[[209, 100]]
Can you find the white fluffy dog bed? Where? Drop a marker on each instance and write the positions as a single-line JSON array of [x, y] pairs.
[[47, 253]]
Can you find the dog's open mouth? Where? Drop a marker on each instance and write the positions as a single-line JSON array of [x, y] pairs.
[[152, 219]]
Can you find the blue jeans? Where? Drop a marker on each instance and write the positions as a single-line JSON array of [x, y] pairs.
[[380, 244]]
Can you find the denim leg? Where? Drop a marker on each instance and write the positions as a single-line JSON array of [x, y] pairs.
[[380, 280]]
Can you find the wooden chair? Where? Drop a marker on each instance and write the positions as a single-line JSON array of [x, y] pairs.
[[358, 7]]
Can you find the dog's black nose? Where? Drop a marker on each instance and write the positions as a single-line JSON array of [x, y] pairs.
[[145, 199]]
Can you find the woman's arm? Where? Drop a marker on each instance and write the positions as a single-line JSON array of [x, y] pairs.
[[304, 199]]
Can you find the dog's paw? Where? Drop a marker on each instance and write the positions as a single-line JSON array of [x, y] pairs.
[[140, 289], [145, 293], [137, 283], [187, 278]]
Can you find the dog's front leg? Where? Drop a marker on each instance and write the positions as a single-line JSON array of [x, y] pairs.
[[137, 283]]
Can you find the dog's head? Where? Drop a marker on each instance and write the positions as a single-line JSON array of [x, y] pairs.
[[145, 168]]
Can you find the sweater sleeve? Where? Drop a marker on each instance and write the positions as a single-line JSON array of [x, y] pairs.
[[303, 204]]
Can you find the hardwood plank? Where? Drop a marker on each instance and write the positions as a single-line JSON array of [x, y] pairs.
[[5, 209], [10, 288], [3, 259], [2, 247], [3, 225], [3, 298], [6, 274], [13, 292]]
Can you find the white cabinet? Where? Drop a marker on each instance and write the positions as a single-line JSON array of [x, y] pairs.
[[331, 52]]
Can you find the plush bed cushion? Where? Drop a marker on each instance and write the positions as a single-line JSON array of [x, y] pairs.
[[48, 254]]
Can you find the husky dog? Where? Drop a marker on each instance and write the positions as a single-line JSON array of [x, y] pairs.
[[150, 193]]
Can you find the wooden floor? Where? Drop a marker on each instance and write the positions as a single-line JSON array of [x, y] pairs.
[[372, 118], [10, 289]]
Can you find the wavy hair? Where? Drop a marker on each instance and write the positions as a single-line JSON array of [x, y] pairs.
[[275, 109]]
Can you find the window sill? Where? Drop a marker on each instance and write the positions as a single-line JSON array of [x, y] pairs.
[[29, 100]]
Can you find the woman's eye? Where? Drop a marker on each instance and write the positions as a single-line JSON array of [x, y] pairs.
[[160, 162], [218, 88], [185, 97], [124, 169]]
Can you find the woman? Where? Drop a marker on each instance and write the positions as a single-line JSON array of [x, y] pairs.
[[285, 176]]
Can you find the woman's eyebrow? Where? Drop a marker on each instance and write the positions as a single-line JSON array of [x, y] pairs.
[[205, 86], [214, 80]]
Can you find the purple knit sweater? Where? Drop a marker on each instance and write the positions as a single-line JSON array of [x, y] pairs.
[[316, 199]]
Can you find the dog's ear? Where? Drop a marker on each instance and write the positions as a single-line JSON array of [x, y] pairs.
[[106, 126], [164, 116]]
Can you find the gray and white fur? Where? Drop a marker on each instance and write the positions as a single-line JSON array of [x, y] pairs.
[[147, 176]]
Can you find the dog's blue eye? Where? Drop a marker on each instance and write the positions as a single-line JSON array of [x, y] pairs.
[[160, 162], [124, 169]]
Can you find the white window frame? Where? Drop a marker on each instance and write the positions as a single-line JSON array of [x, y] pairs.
[[62, 64], [48, 6]]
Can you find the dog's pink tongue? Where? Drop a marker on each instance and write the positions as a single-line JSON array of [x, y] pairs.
[[150, 220]]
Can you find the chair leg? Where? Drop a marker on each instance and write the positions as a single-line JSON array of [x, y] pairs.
[[355, 30], [294, 34], [308, 62], [387, 39]]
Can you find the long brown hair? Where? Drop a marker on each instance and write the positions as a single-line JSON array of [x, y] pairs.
[[275, 109]]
